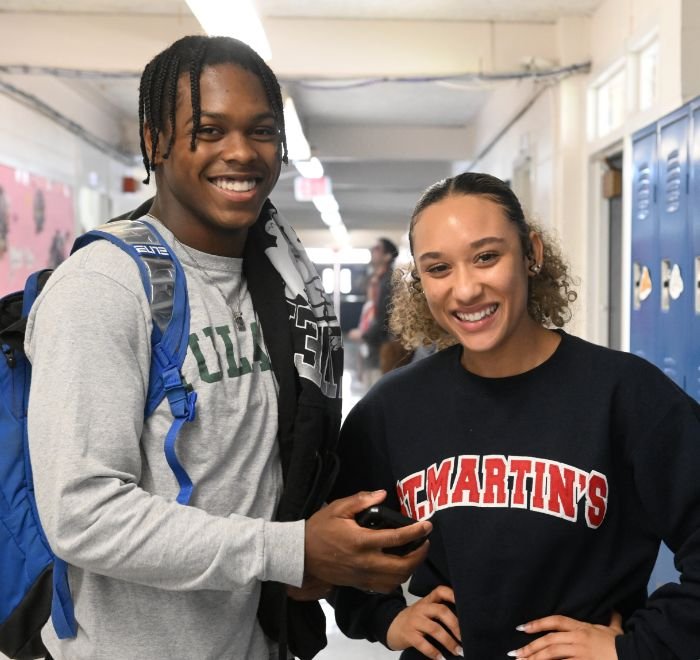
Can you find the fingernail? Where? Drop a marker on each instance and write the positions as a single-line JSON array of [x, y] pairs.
[[522, 627], [459, 652], [513, 654]]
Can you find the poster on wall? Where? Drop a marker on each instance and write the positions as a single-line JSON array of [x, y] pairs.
[[37, 225]]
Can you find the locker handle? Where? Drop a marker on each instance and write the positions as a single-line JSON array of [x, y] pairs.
[[665, 285], [636, 285]]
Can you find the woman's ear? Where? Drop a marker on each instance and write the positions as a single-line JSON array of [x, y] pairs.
[[536, 255]]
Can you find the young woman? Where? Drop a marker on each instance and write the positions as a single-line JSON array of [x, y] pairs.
[[551, 468]]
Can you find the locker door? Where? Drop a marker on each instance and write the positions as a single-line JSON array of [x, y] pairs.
[[693, 380], [675, 291], [645, 261]]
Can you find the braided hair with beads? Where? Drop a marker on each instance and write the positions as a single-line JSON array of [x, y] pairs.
[[158, 88]]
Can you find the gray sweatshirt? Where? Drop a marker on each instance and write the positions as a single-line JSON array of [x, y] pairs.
[[150, 578]]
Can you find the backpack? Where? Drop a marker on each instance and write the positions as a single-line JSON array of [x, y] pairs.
[[33, 581]]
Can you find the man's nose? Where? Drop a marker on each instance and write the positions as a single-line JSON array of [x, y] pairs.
[[237, 147]]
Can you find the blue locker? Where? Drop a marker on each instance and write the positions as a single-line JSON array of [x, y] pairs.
[[675, 290], [645, 261], [693, 380], [664, 570]]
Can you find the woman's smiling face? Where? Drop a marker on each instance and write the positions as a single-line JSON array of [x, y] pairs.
[[475, 277]]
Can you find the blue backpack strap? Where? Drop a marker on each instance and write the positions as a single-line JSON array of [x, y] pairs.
[[166, 290], [31, 291], [62, 611]]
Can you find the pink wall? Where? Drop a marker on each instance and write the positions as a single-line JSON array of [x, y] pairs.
[[37, 225]]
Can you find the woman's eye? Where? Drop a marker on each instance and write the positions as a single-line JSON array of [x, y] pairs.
[[436, 269], [486, 257]]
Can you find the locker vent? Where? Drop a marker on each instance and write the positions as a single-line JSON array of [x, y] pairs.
[[673, 182], [644, 192]]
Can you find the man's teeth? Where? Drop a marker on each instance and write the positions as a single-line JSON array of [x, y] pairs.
[[234, 185], [477, 316]]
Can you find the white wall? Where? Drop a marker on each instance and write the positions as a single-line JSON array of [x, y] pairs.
[[565, 161], [33, 142]]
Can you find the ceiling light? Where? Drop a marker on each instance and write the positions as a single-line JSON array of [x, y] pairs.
[[237, 19], [297, 145], [331, 218], [344, 256], [340, 233], [325, 203], [310, 169]]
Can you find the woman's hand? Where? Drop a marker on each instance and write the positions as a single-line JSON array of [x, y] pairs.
[[570, 639], [428, 616]]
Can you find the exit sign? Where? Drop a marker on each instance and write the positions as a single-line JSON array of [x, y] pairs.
[[306, 189]]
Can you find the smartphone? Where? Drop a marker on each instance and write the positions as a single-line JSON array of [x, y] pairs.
[[382, 517]]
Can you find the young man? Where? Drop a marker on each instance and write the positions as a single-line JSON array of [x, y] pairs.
[[151, 578]]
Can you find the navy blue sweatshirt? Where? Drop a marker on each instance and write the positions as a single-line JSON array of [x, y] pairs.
[[549, 493]]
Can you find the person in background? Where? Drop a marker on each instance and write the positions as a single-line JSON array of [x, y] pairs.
[[235, 574], [550, 467], [380, 351]]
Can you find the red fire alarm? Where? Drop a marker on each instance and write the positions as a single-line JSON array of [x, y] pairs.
[[129, 184]]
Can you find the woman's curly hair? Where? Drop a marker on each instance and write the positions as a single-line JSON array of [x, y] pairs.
[[550, 291]]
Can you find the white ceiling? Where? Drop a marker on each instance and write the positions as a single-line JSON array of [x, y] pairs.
[[441, 10], [368, 110]]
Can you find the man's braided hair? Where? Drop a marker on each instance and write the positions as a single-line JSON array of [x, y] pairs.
[[158, 88]]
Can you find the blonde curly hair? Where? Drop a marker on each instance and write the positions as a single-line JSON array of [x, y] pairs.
[[550, 291]]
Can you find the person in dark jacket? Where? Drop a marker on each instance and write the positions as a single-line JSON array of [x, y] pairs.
[[381, 352], [236, 574], [551, 468]]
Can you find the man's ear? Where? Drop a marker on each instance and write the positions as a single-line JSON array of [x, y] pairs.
[[154, 159]]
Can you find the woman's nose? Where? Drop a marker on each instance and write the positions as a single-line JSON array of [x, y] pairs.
[[467, 286]]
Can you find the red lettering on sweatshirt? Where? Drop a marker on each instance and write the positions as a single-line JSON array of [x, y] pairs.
[[596, 499], [519, 482], [519, 468], [408, 490], [466, 488], [438, 484], [495, 475], [563, 490]]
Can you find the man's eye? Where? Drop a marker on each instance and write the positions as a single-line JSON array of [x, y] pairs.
[[207, 130], [266, 132]]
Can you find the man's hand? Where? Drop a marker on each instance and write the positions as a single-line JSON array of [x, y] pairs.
[[428, 616], [570, 639], [339, 551]]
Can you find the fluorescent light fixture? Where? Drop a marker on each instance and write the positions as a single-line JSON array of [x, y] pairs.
[[237, 19], [328, 279], [331, 218], [340, 233], [345, 256], [310, 169], [297, 145], [345, 280], [325, 203]]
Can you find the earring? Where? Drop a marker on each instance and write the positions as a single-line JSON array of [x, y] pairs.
[[535, 268]]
